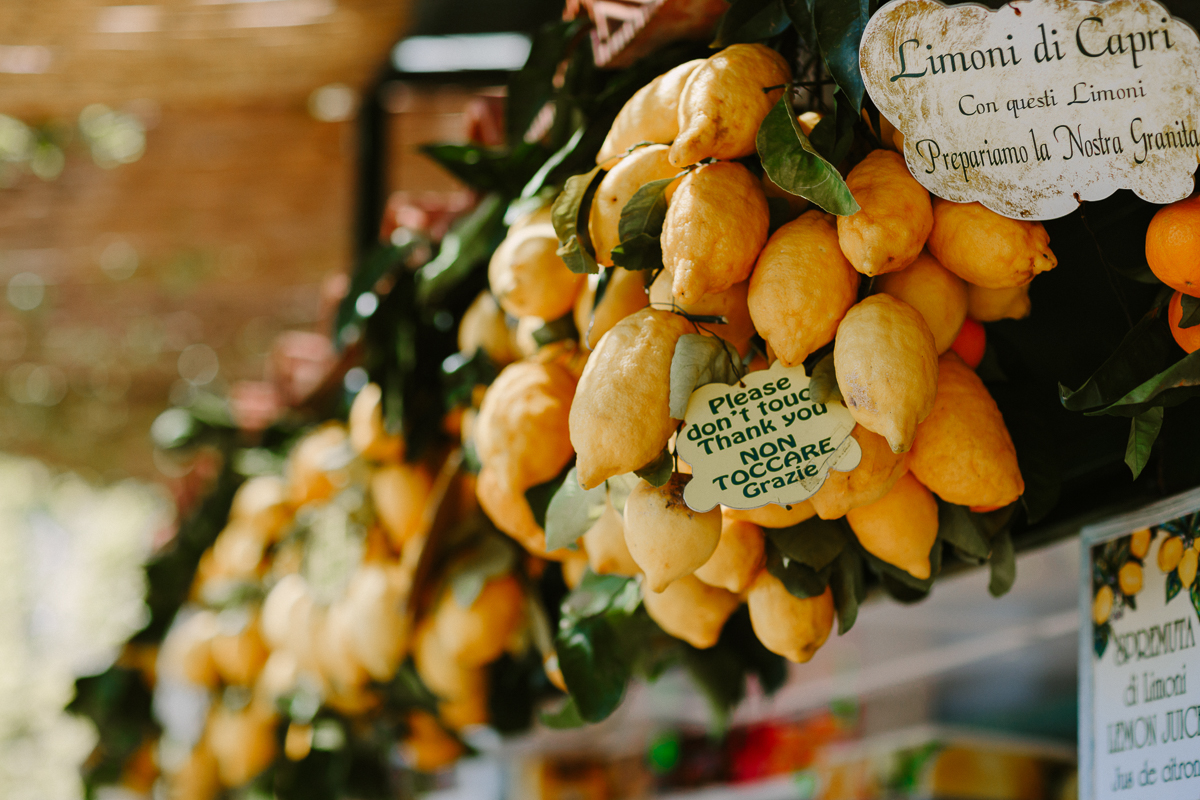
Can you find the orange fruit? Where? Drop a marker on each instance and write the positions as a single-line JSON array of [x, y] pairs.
[[970, 343], [1187, 338], [1173, 245]]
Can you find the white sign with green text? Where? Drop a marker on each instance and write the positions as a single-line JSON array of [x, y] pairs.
[[1037, 106]]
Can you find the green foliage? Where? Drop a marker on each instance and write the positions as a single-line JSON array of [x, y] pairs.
[[539, 496], [1190, 307], [468, 243], [698, 361], [461, 374], [570, 217], [749, 21], [839, 27], [1003, 564], [848, 582], [815, 542], [658, 471], [798, 578], [572, 511], [640, 227], [792, 162], [1143, 430]]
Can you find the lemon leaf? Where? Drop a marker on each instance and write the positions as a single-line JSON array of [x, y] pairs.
[[658, 471], [469, 241], [749, 21], [539, 497], [839, 26], [1174, 584], [823, 385], [566, 717], [1143, 430], [1140, 354], [815, 542], [958, 527], [700, 360], [799, 579], [849, 587], [572, 511], [1191, 311], [1003, 565], [791, 161], [570, 217], [641, 226]]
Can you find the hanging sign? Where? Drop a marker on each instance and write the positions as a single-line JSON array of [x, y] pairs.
[[1037, 106], [762, 440], [1139, 731]]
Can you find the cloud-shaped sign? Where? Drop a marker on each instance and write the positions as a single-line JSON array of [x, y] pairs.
[[1037, 106]]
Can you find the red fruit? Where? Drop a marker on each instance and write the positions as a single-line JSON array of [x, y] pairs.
[[971, 342]]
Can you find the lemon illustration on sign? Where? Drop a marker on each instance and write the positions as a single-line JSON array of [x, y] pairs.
[[1102, 605], [1187, 567], [666, 538], [1170, 552], [1129, 578], [1139, 542], [715, 226]]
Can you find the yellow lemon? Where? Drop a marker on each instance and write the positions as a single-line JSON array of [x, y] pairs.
[[887, 368], [738, 558], [573, 568], [716, 224], [1129, 577], [477, 634], [876, 473], [617, 188], [787, 625], [731, 304], [440, 673], [724, 102], [1170, 552], [1187, 568], [1102, 605], [528, 277], [933, 290], [242, 742], [309, 475], [399, 493], [986, 249], [691, 610], [428, 747], [262, 503], [1139, 543], [368, 436], [239, 655], [963, 452], [197, 779], [989, 305], [801, 288], [620, 419], [522, 427], [894, 219], [900, 527], [187, 649], [335, 652], [484, 326], [666, 538], [607, 552], [625, 294], [378, 627], [506, 506], [772, 515], [651, 115]]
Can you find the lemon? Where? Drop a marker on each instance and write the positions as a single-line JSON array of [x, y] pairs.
[[990, 305], [239, 656], [933, 290], [787, 625], [377, 625], [308, 477], [724, 102], [691, 610], [616, 189], [477, 634], [900, 527], [877, 472], [607, 552], [887, 368], [801, 287], [625, 294], [738, 558], [894, 219], [715, 226], [485, 326], [399, 493], [772, 515], [651, 115], [242, 742], [986, 249], [528, 277], [620, 419], [666, 538], [428, 747], [731, 304]]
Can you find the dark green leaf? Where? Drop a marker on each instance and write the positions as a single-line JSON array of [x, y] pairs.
[[749, 21], [641, 226], [839, 26], [566, 717], [1174, 584], [570, 217], [1130, 600], [597, 594], [556, 330], [780, 213], [849, 587], [801, 14], [593, 667], [823, 386], [1195, 593], [538, 182], [572, 511], [470, 240], [1143, 430], [658, 471], [834, 134], [795, 166], [1100, 636], [379, 262], [1191, 311], [1003, 565], [698, 361], [531, 87], [539, 497], [901, 591], [462, 373], [493, 557], [738, 636], [799, 579], [1140, 354], [1172, 386], [815, 542], [958, 527]]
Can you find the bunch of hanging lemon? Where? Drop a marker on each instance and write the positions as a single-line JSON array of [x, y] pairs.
[[308, 601], [891, 287]]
